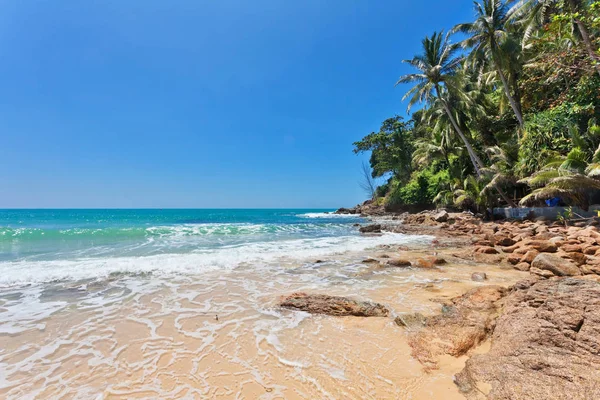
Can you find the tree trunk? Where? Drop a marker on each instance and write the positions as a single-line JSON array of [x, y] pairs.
[[477, 163], [513, 104], [585, 36]]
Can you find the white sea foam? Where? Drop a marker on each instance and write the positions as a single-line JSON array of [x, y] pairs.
[[197, 261], [327, 215]]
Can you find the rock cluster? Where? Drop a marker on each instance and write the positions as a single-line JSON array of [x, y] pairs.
[[542, 248]]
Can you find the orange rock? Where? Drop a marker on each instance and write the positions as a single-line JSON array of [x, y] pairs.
[[571, 248], [523, 266], [486, 250], [530, 256]]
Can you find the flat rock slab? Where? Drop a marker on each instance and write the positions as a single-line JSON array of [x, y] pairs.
[[464, 323], [333, 305], [546, 345]]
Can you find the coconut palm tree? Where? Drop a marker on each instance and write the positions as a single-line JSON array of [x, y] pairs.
[[533, 13], [486, 36], [437, 67], [569, 178]]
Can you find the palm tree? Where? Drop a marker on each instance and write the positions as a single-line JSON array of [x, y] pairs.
[[533, 13], [569, 178], [486, 35], [437, 66]]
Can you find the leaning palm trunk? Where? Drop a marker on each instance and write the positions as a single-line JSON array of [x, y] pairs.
[[475, 160], [513, 103], [585, 36]]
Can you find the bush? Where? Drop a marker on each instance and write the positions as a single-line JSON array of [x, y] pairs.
[[421, 189]]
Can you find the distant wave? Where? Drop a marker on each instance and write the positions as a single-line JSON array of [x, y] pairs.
[[327, 215], [8, 234]]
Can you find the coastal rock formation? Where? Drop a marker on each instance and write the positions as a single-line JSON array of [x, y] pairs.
[[333, 305], [546, 345], [463, 324], [374, 228]]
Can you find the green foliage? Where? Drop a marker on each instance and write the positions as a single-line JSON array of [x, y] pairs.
[[391, 148], [421, 189], [536, 61]]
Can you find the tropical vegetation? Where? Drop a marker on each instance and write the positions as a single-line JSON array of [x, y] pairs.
[[507, 112]]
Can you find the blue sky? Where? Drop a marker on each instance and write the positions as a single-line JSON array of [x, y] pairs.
[[197, 103]]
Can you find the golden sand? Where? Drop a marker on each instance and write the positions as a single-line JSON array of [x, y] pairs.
[[221, 335]]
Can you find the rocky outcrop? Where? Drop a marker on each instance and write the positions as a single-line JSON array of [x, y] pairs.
[[546, 345], [373, 228], [333, 305], [463, 324]]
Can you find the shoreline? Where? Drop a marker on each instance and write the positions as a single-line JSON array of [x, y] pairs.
[[441, 302]]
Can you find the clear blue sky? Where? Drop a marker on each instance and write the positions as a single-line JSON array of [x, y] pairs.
[[198, 103]]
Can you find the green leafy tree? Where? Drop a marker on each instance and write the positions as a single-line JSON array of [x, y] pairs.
[[391, 149]]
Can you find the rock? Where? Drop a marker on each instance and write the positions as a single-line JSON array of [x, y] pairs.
[[543, 246], [478, 276], [578, 258], [374, 228], [571, 248], [423, 263], [545, 346], [530, 256], [318, 261], [591, 250], [540, 272], [465, 323], [398, 262], [370, 261], [410, 321], [558, 266], [346, 211], [523, 266], [442, 216], [505, 241], [514, 259], [333, 305], [486, 250], [510, 249]]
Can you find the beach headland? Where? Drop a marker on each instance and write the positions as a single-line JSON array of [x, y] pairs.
[[534, 339]]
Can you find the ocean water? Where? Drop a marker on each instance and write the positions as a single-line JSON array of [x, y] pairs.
[[39, 246]]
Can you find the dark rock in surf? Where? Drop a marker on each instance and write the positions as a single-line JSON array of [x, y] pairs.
[[375, 228]]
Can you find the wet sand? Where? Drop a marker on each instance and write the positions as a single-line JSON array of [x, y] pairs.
[[221, 335]]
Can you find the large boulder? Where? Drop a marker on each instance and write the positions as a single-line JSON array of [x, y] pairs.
[[546, 345], [543, 246], [333, 305], [442, 216], [556, 265], [374, 228]]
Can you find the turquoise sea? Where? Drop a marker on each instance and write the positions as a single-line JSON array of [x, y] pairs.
[[45, 245]]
